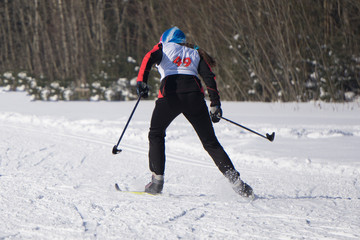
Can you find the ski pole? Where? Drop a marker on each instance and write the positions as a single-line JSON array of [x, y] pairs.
[[269, 137], [115, 149]]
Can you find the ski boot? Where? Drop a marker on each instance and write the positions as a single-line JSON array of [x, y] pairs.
[[156, 185], [240, 187], [243, 189]]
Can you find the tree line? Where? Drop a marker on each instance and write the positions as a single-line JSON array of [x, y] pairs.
[[266, 50]]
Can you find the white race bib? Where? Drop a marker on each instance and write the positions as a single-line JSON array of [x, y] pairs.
[[178, 59]]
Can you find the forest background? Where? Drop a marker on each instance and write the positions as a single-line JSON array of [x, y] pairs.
[[266, 50]]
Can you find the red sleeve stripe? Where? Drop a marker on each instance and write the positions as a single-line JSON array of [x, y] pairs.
[[145, 67]]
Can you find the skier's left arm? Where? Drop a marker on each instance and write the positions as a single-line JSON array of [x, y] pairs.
[[152, 57]]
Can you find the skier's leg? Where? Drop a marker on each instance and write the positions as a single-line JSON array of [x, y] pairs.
[[197, 114], [165, 111]]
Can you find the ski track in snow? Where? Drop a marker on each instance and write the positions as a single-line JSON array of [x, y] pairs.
[[57, 177]]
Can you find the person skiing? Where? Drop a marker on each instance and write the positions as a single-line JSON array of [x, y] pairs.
[[181, 92]]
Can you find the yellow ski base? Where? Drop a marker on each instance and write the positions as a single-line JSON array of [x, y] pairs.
[[133, 192]]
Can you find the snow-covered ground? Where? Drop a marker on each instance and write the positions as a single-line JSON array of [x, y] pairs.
[[57, 173]]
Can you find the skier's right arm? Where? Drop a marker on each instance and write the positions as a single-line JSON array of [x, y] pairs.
[[209, 78]]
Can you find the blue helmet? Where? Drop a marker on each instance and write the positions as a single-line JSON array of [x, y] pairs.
[[173, 34]]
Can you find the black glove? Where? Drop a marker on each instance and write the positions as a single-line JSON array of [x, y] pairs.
[[215, 113], [142, 89]]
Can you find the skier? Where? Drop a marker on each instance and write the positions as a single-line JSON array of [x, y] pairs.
[[179, 64]]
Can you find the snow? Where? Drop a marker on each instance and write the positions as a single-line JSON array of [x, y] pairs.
[[57, 173]]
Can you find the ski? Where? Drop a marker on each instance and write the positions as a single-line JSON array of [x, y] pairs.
[[250, 198], [133, 192]]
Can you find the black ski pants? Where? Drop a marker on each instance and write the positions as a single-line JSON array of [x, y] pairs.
[[193, 106]]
